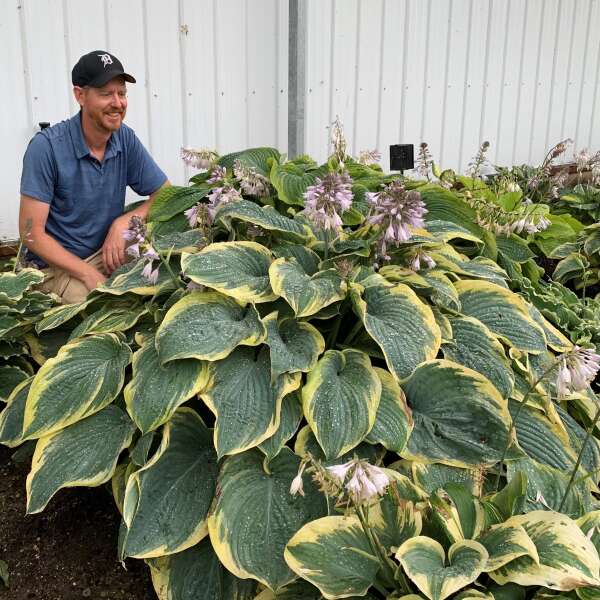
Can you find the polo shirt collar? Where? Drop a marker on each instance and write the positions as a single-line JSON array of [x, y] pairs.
[[81, 149]]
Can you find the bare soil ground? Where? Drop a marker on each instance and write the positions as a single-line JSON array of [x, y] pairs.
[[67, 552]]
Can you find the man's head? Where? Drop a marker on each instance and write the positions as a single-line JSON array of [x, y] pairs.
[[99, 88]]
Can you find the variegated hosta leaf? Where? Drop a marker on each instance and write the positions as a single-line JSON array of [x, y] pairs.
[[473, 595], [295, 345], [255, 515], [393, 421], [265, 217], [10, 377], [129, 279], [473, 345], [291, 415], [460, 418], [60, 314], [236, 269], [334, 554], [244, 399], [109, 319], [301, 590], [394, 518], [14, 285], [11, 418], [155, 391], [166, 502], [459, 513], [555, 338], [340, 400], [401, 324], [46, 345], [423, 560], [83, 454], [504, 543], [85, 376], [511, 322], [306, 294], [207, 326], [307, 259], [589, 593], [567, 558], [197, 573], [433, 476]]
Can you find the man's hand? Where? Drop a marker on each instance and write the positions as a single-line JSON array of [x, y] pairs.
[[93, 278], [113, 249]]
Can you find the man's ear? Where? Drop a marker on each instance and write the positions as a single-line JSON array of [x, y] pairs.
[[79, 93]]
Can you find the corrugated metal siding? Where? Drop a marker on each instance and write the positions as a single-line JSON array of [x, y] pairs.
[[211, 73], [523, 74]]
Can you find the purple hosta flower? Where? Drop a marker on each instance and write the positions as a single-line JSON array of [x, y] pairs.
[[368, 157], [422, 261], [149, 273], [424, 161], [137, 230], [582, 159], [329, 197], [191, 215], [365, 481], [217, 173], [220, 196], [596, 174], [134, 250], [251, 182], [150, 253], [338, 141], [199, 159], [394, 209], [576, 370], [297, 485]]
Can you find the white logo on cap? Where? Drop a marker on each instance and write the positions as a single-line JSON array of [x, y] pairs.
[[106, 59]]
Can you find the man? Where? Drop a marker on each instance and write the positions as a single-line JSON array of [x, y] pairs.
[[73, 183]]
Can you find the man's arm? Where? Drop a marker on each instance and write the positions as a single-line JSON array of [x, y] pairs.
[[113, 249], [32, 229]]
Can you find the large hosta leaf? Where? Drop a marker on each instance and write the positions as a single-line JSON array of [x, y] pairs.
[[166, 502], [85, 376], [236, 269], [10, 377], [393, 421], [333, 553], [567, 558], [11, 418], [291, 181], [129, 279], [460, 418], [109, 319], [505, 542], [83, 454], [174, 199], [265, 217], [255, 158], [60, 314], [306, 294], [340, 400], [503, 312], [207, 325], [155, 391], [244, 399], [474, 346], [295, 345], [255, 515], [14, 285], [401, 324], [424, 561], [197, 573]]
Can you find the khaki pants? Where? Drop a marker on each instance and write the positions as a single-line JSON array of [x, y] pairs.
[[69, 288]]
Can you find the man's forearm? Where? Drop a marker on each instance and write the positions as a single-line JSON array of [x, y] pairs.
[[48, 249]]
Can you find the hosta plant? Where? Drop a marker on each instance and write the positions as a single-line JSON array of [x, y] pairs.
[[316, 381]]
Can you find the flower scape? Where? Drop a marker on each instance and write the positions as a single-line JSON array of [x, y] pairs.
[[327, 381]]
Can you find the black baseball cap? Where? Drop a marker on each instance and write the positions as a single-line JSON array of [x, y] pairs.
[[97, 68]]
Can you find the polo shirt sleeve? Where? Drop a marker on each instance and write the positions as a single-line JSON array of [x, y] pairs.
[[39, 170], [144, 176]]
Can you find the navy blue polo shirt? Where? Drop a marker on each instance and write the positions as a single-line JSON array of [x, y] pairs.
[[84, 194]]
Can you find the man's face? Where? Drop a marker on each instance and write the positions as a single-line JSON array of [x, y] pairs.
[[106, 106]]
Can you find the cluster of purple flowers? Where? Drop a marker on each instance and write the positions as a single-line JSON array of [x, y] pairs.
[[217, 198], [394, 210], [140, 247], [576, 370], [368, 157], [251, 182], [327, 199], [199, 159]]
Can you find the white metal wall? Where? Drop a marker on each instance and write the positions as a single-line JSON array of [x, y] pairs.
[[522, 74], [211, 73]]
